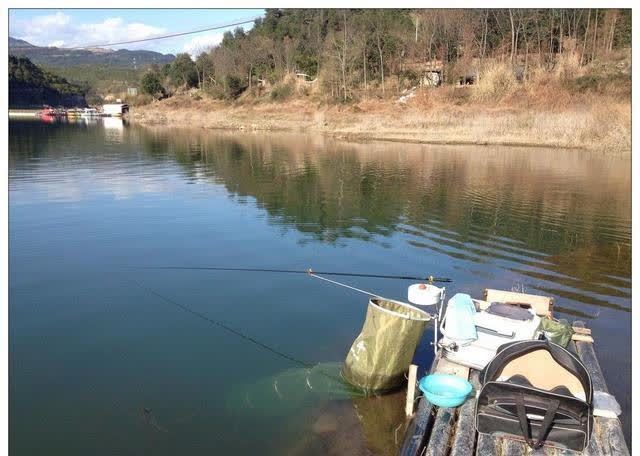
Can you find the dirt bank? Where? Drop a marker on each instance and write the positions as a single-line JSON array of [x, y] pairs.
[[596, 126]]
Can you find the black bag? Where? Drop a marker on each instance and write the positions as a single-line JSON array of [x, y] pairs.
[[536, 391]]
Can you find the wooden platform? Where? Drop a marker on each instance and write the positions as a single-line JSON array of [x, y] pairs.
[[436, 431]]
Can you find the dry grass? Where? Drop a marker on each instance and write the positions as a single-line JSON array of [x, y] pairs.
[[496, 83], [549, 109]]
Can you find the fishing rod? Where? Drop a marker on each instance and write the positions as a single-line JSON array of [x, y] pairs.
[[429, 278]]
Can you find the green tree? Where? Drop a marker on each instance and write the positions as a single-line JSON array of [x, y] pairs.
[[151, 85], [204, 66], [183, 71]]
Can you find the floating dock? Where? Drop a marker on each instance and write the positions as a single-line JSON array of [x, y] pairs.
[[436, 431], [29, 113]]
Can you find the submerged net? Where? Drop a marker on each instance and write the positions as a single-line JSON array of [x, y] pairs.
[[292, 389]]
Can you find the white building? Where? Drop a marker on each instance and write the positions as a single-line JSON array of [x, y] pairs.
[[115, 109]]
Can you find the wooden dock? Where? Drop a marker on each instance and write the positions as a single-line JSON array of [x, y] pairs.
[[436, 431]]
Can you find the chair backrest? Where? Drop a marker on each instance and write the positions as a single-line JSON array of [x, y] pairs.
[[544, 364], [544, 372]]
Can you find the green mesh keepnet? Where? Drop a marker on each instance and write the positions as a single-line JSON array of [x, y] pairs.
[[382, 353]]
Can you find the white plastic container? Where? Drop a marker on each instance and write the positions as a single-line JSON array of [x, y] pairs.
[[423, 294]]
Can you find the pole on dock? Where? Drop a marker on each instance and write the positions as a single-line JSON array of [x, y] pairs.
[[411, 389]]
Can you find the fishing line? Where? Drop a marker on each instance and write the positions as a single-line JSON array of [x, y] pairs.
[[298, 361], [297, 271], [219, 324], [344, 285], [150, 419], [226, 328]]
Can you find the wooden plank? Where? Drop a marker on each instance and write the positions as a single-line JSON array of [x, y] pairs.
[[449, 367], [411, 390], [582, 338], [610, 437], [488, 446], [518, 448], [417, 430], [443, 427], [512, 447], [542, 305], [550, 451], [580, 330], [588, 356], [420, 426], [465, 428], [607, 436], [441, 432]]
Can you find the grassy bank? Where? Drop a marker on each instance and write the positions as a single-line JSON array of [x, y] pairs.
[[597, 126], [569, 107]]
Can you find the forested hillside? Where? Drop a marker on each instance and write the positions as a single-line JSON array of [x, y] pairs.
[[356, 53], [98, 71], [31, 87]]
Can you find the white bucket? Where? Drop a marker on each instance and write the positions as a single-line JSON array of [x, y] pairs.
[[423, 294]]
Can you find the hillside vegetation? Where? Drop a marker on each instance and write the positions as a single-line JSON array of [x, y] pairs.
[[100, 81], [98, 72], [557, 77], [30, 86], [356, 54]]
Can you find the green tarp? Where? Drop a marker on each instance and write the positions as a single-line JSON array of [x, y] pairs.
[[557, 331], [380, 356]]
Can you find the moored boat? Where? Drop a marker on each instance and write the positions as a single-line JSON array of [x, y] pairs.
[[47, 111], [74, 112], [90, 112]]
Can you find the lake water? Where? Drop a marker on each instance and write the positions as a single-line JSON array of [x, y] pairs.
[[109, 358]]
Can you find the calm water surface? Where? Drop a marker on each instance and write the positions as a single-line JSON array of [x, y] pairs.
[[102, 363]]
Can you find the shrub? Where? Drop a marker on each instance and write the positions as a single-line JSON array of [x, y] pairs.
[[235, 86], [282, 91], [584, 83], [151, 85], [496, 82], [183, 71]]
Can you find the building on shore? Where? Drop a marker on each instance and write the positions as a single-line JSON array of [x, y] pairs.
[[115, 109]]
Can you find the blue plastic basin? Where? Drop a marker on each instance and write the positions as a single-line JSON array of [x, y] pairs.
[[445, 390]]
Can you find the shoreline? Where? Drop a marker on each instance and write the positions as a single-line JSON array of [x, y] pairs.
[[579, 127]]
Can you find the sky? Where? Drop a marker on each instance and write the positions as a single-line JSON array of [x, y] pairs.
[[82, 27]]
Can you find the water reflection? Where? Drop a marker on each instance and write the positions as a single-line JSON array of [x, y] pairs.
[[113, 129], [558, 218], [555, 222]]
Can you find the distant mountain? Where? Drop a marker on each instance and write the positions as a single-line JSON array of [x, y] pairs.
[[59, 57], [14, 43]]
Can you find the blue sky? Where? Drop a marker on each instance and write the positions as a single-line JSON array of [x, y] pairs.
[[80, 27]]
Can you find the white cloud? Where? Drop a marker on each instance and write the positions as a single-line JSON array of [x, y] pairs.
[[115, 29], [202, 43], [58, 19], [58, 29]]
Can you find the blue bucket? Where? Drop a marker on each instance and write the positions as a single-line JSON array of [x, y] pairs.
[[445, 390]]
